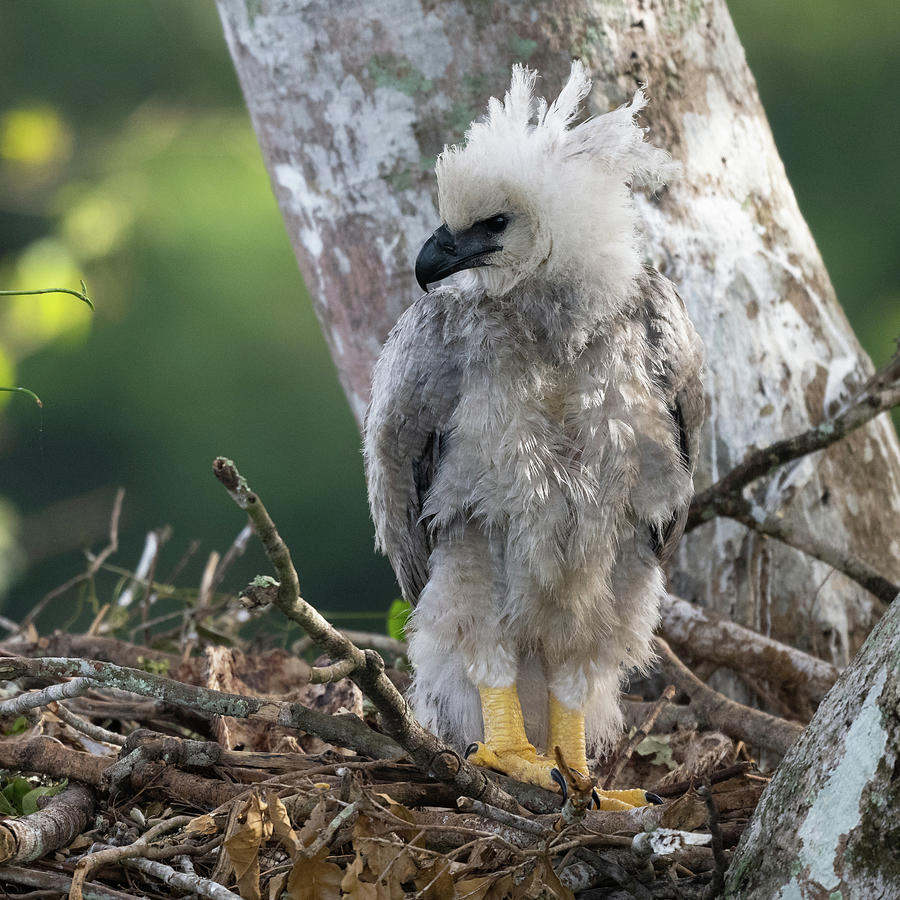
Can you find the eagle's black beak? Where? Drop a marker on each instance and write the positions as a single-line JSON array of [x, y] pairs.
[[445, 253]]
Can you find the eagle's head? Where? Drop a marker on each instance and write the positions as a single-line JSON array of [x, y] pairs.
[[527, 196]]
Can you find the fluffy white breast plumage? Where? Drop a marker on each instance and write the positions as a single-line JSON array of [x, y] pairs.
[[533, 431]]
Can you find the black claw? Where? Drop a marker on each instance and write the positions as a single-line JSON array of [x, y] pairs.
[[655, 799], [473, 747], [556, 775], [596, 798]]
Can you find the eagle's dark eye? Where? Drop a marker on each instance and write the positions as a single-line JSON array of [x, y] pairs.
[[496, 224]]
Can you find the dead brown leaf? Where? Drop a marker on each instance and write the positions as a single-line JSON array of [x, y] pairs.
[[318, 819], [436, 882], [315, 879], [244, 844], [684, 814], [353, 887], [204, 824], [485, 887], [281, 825]]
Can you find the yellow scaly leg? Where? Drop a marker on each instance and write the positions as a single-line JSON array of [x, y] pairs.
[[567, 732], [506, 747]]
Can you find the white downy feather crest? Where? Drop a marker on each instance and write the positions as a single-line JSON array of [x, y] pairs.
[[573, 183]]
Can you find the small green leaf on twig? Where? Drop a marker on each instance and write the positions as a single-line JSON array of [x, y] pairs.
[[22, 390], [82, 295]]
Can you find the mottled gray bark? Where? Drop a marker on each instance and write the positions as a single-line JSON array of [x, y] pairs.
[[352, 101], [828, 825]]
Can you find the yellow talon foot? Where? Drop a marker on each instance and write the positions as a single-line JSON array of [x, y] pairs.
[[619, 800], [522, 763]]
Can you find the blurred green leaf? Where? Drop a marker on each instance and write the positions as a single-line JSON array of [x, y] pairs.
[[659, 751], [19, 726], [6, 808], [397, 616], [30, 800], [19, 796]]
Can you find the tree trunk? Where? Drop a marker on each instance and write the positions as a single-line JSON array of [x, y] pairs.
[[351, 103], [828, 824]]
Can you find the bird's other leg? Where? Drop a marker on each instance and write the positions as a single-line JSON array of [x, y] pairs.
[[572, 689]]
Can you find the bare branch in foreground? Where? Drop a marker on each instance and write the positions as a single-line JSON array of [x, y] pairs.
[[345, 731], [15, 706], [192, 884], [96, 732], [430, 754], [108, 855], [42, 880]]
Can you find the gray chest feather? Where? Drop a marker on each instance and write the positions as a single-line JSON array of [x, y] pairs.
[[549, 455]]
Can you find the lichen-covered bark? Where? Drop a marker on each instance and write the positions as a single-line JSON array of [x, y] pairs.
[[828, 825], [351, 103]]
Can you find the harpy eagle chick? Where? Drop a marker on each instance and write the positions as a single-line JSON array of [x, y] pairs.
[[533, 431]]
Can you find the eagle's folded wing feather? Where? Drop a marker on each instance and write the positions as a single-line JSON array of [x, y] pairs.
[[415, 390], [679, 357]]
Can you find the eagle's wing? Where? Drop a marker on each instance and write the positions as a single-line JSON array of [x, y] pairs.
[[676, 364], [415, 389]]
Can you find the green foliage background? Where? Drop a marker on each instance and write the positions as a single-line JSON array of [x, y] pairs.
[[126, 157]]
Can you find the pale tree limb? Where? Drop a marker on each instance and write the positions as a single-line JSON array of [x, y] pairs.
[[15, 706], [192, 884], [716, 711], [726, 497], [55, 826], [109, 855], [710, 636], [880, 393], [429, 753], [96, 732]]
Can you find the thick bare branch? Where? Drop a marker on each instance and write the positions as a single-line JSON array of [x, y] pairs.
[[881, 393], [714, 710], [713, 637], [345, 731], [742, 510], [430, 754], [42, 880], [64, 817]]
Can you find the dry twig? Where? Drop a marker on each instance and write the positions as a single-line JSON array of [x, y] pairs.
[[96, 563], [425, 749]]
